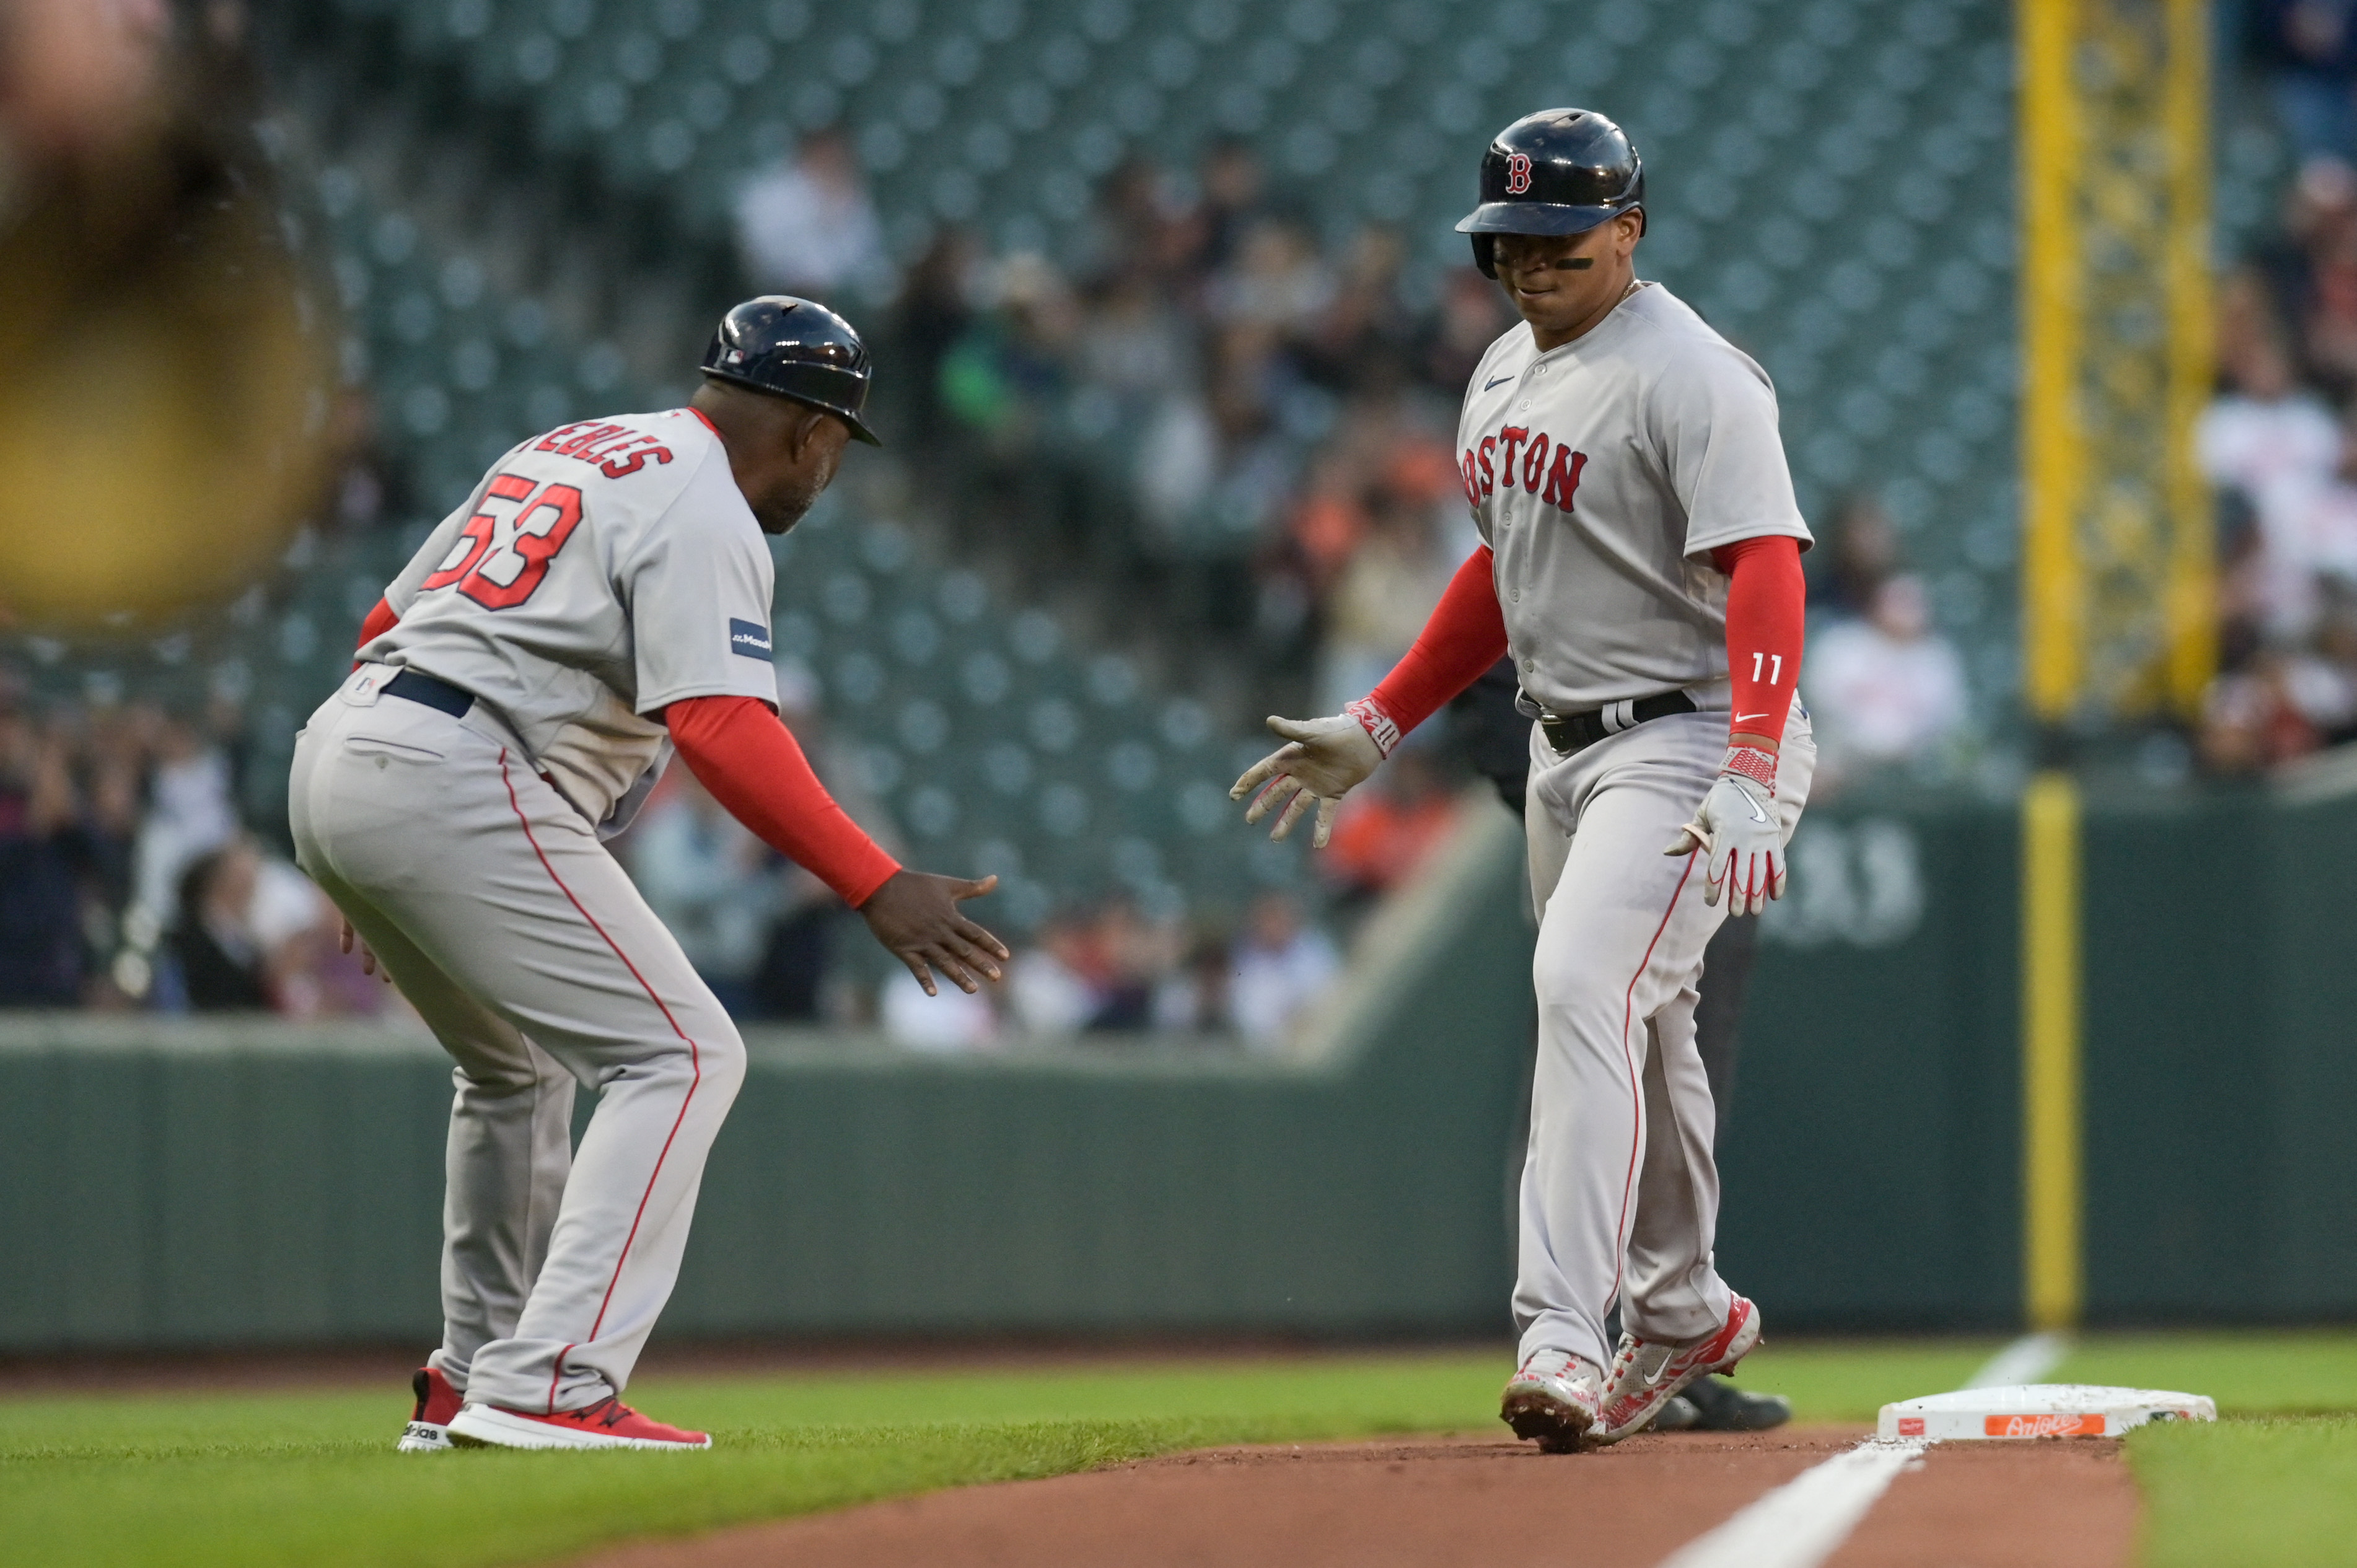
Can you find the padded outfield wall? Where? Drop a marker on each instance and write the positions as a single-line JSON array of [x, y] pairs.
[[240, 1182]]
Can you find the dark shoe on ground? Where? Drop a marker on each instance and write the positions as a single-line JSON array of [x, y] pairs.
[[1720, 1406], [1678, 1415]]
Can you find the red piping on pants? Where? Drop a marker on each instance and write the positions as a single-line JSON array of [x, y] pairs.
[[557, 1370], [695, 1059], [1636, 1092]]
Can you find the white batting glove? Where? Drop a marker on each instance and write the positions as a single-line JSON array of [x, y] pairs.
[[1743, 848], [1322, 759]]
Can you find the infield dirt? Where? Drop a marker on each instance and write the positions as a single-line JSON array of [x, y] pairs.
[[1408, 1503]]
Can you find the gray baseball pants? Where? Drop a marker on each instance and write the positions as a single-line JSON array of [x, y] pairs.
[[1620, 1192], [536, 963]]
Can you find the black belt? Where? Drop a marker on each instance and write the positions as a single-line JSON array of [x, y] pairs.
[[1567, 733], [419, 687]]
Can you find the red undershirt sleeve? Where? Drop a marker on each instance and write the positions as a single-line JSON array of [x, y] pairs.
[[737, 749], [379, 620], [1464, 636], [1766, 621]]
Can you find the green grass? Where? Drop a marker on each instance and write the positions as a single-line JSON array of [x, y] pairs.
[[2275, 1482], [308, 1479], [2253, 1492]]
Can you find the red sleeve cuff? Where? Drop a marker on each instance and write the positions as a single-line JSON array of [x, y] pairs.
[[1767, 623]]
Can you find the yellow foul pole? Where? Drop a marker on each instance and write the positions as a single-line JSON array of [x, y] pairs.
[[2191, 591], [2052, 1124], [2054, 456]]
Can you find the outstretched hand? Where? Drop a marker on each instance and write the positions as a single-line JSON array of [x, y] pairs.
[[1322, 760], [915, 916]]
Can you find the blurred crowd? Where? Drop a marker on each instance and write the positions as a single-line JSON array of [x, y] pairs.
[[1885, 689], [1199, 397], [2279, 440], [775, 945], [128, 881]]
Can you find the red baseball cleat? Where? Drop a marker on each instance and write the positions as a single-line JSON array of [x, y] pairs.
[[1649, 1374], [609, 1423], [428, 1431]]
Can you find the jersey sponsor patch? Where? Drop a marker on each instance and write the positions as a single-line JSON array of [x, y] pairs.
[[750, 639]]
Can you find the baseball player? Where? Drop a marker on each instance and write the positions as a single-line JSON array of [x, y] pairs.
[[1496, 740], [1641, 564], [601, 600]]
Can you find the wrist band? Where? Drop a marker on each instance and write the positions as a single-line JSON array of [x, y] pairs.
[[1750, 762], [1377, 724]]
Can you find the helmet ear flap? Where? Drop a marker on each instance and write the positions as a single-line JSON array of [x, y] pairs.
[[1485, 253]]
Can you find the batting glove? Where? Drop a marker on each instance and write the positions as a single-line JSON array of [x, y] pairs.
[[1322, 759], [1743, 848]]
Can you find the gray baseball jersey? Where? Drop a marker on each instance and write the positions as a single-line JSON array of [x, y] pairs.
[[596, 574], [1601, 474]]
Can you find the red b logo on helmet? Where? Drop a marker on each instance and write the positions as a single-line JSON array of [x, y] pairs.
[[1518, 172]]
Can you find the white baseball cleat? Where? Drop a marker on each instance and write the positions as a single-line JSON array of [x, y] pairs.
[[1555, 1398], [609, 1423], [1647, 1374], [428, 1431]]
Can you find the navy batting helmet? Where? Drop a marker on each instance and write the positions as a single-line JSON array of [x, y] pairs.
[[795, 349], [1559, 171]]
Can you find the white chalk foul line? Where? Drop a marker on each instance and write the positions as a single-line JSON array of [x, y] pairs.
[[2026, 1360], [1800, 1523]]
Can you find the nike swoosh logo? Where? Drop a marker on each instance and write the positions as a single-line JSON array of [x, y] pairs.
[[1740, 717], [1757, 814], [1502, 380]]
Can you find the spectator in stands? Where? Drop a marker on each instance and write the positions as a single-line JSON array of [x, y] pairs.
[[1385, 588], [1049, 984], [1886, 691], [1360, 342], [220, 959], [2308, 50], [807, 227], [1859, 553], [935, 312], [1276, 282], [2265, 431], [191, 813], [1213, 475], [41, 944], [949, 1023], [1280, 966], [1384, 833], [2284, 291], [1004, 378], [1230, 181], [710, 881], [1133, 230], [1472, 313], [792, 983]]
